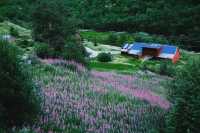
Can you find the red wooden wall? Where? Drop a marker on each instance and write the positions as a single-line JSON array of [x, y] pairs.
[[177, 56]]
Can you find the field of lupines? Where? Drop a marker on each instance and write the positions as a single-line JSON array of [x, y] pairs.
[[80, 101]]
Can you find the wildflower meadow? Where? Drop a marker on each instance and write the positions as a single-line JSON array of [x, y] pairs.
[[77, 100]]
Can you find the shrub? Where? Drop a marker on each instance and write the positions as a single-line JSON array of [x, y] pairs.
[[159, 39], [185, 95], [95, 42], [24, 43], [14, 32], [1, 19], [44, 51], [167, 68], [104, 57], [144, 67], [1, 116], [124, 38], [163, 68], [2, 131], [144, 37], [30, 57], [112, 40], [19, 100], [73, 51], [24, 130]]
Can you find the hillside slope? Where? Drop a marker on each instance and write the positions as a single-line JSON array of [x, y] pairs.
[[98, 102], [5, 29]]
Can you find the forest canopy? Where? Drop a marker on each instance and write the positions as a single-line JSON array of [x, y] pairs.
[[180, 19]]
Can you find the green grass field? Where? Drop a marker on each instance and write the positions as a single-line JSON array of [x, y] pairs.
[[116, 67], [102, 47], [23, 32], [109, 38], [99, 37]]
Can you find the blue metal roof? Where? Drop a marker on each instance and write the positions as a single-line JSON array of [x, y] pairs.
[[138, 46], [168, 49], [125, 46], [153, 45], [130, 46]]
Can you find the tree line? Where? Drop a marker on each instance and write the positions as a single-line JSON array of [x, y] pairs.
[[168, 17]]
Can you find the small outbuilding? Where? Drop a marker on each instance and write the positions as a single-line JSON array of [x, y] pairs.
[[152, 50]]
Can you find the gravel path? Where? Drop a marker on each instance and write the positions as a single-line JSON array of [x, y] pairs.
[[92, 53]]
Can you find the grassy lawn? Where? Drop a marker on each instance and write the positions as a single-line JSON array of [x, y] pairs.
[[125, 59], [116, 67], [120, 63], [102, 47], [99, 37], [129, 67], [5, 29], [107, 37]]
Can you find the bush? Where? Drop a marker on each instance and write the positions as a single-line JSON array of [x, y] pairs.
[[123, 38], [144, 67], [159, 39], [24, 43], [163, 68], [1, 19], [1, 116], [19, 99], [144, 37], [44, 51], [73, 51], [95, 42], [14, 32], [185, 95], [112, 40], [2, 131], [23, 130], [167, 68], [104, 57]]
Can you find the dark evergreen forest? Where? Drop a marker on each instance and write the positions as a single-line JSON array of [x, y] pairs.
[[176, 19]]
